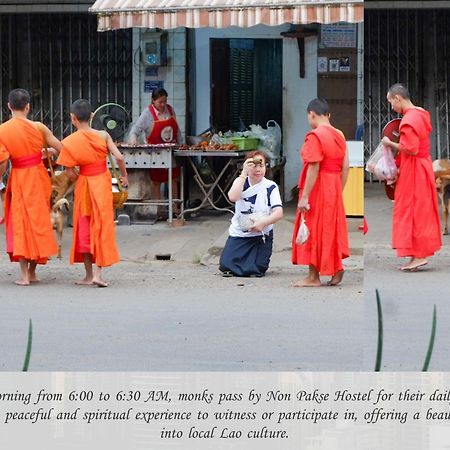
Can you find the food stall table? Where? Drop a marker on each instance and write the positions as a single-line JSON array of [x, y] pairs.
[[159, 156], [206, 187]]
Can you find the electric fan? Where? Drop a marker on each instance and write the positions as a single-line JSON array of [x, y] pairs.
[[113, 119]]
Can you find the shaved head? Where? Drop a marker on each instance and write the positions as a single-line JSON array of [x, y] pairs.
[[319, 106], [18, 99], [399, 89], [81, 109]]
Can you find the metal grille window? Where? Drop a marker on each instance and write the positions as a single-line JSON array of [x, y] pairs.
[[60, 58], [411, 47]]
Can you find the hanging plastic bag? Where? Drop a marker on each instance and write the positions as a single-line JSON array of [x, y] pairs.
[[374, 158], [274, 137], [386, 169], [269, 138], [303, 232]]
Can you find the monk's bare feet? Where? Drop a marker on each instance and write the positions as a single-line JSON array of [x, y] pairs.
[[308, 282], [98, 279], [22, 282], [34, 278], [336, 278], [100, 283], [414, 264], [406, 265], [85, 282]]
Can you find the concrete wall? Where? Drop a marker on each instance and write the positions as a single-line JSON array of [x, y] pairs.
[[297, 92]]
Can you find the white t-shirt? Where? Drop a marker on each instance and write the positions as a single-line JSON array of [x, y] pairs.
[[261, 197]]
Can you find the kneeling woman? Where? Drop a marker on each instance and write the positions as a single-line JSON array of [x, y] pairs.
[[258, 206]]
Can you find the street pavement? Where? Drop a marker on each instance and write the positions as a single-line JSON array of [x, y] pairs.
[[181, 314], [407, 298]]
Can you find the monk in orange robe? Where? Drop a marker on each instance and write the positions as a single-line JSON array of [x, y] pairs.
[[321, 183], [94, 235], [29, 234], [415, 226]]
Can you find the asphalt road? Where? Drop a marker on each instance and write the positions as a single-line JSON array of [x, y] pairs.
[[407, 298], [176, 316], [182, 315]]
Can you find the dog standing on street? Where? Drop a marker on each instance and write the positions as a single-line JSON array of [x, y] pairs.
[[57, 218], [62, 186]]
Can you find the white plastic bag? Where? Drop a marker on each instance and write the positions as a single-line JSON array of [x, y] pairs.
[[246, 221], [269, 138], [374, 158], [386, 169], [303, 232], [274, 137]]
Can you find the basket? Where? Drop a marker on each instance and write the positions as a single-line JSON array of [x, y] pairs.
[[245, 143], [119, 197], [120, 194]]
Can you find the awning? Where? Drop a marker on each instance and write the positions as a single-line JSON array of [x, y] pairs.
[[166, 14]]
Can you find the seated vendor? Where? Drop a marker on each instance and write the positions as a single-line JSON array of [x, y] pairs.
[[258, 206]]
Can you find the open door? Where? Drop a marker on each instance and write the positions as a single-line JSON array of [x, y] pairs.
[[246, 82]]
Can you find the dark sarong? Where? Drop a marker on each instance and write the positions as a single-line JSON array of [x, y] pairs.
[[246, 256]]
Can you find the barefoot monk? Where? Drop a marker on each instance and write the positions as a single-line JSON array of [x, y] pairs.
[[321, 183], [415, 226], [94, 235], [29, 234]]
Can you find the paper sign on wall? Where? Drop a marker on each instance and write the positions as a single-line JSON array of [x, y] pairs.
[[338, 36], [150, 86], [322, 64], [344, 64]]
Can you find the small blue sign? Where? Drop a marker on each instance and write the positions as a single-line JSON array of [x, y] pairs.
[[150, 86], [151, 71]]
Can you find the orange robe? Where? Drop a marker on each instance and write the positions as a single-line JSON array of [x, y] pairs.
[[416, 226], [29, 232], [327, 244], [93, 215]]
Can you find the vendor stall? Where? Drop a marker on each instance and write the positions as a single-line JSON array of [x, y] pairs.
[[215, 161], [213, 184], [207, 186], [158, 156]]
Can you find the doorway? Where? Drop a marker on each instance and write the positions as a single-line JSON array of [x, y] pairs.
[[246, 83]]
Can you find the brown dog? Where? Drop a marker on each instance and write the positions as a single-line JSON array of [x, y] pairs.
[[57, 219], [61, 185], [441, 168]]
